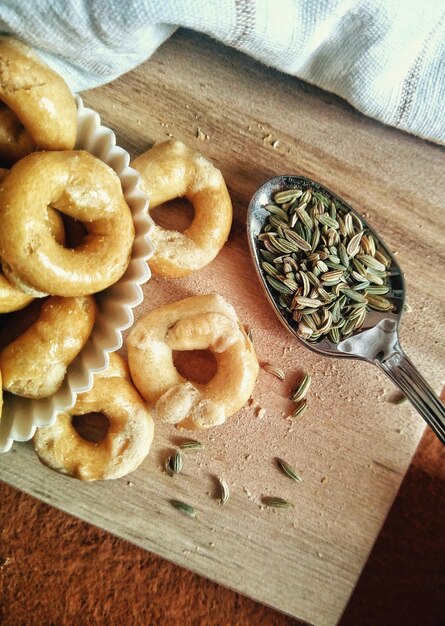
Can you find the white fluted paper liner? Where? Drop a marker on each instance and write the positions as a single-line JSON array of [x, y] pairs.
[[21, 416]]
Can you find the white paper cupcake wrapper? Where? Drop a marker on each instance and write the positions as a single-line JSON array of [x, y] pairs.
[[21, 416]]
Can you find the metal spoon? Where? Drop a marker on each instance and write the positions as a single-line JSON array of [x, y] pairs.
[[377, 340]]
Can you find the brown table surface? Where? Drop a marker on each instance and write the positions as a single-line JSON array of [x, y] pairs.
[[106, 580], [353, 447]]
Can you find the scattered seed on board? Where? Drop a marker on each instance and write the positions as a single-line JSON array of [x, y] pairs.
[[225, 491], [191, 444], [288, 470], [301, 390], [276, 502], [176, 463], [173, 464], [301, 408], [275, 371], [184, 508]]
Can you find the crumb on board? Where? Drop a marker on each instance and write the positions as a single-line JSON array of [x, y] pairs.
[[255, 405], [201, 135]]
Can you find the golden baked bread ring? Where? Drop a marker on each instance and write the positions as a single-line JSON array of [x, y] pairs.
[[196, 323], [124, 447], [40, 109], [34, 365], [171, 170], [81, 186], [11, 297]]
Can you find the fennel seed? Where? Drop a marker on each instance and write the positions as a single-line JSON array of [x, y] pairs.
[[184, 508], [173, 464], [275, 371], [301, 408], [288, 470], [225, 491], [276, 502], [191, 444], [301, 390]]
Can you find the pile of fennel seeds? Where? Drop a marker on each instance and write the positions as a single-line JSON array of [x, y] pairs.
[[323, 265]]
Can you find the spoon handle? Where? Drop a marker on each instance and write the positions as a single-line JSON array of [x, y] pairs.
[[408, 379]]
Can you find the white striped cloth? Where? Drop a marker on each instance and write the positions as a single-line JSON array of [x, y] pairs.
[[386, 57]]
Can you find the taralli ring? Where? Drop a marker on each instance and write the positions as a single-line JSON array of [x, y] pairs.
[[83, 187], [38, 108], [128, 439], [171, 170], [34, 365], [196, 323], [11, 297]]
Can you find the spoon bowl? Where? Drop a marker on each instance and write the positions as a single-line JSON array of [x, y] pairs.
[[376, 341]]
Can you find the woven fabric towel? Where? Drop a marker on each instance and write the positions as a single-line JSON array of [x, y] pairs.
[[386, 57]]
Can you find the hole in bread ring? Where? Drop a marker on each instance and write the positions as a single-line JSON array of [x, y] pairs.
[[198, 323], [15, 140], [91, 426], [197, 366], [38, 108], [83, 187], [126, 443], [177, 214], [171, 170]]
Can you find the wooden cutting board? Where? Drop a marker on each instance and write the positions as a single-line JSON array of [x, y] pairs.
[[353, 446]]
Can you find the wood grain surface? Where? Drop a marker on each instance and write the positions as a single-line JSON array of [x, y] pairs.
[[353, 446]]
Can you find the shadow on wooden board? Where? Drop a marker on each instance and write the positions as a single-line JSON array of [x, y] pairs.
[[403, 583]]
